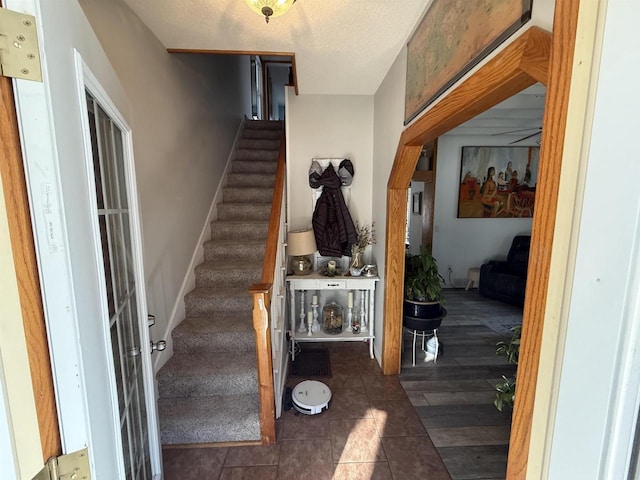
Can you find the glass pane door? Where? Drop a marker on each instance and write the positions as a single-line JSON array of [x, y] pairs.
[[120, 280]]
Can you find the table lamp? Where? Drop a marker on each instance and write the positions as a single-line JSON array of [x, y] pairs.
[[301, 244]]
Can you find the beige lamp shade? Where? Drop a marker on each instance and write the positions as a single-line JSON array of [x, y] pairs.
[[301, 242]]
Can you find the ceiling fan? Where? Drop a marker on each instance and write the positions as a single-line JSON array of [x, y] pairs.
[[537, 131]]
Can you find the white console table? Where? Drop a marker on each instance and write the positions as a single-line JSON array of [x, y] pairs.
[[303, 288]]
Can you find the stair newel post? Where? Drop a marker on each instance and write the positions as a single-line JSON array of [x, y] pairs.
[[261, 306]]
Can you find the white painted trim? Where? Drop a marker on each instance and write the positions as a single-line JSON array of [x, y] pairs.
[[178, 312], [624, 400], [566, 234], [87, 81], [41, 163]]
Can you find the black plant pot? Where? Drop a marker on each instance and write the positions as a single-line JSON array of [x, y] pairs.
[[422, 316]]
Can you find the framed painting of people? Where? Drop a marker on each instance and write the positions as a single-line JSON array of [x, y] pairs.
[[498, 182]]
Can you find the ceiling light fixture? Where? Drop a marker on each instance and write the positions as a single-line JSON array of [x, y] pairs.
[[270, 8]]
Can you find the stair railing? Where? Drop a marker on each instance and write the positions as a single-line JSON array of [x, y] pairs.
[[268, 316]]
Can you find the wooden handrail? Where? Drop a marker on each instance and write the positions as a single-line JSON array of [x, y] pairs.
[[261, 307], [269, 264]]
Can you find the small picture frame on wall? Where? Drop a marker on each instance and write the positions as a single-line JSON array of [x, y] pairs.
[[416, 205]]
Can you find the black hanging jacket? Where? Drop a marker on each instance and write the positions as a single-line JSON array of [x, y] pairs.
[[332, 224]]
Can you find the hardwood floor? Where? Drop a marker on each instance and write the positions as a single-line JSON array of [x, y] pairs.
[[454, 397]]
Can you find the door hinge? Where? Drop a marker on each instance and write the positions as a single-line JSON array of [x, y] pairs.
[[19, 53], [72, 466]]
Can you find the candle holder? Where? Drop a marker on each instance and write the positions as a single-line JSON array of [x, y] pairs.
[[349, 308], [303, 327], [315, 328], [363, 315], [309, 323]]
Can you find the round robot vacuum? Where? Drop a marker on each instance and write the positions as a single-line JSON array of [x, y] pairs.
[[311, 397]]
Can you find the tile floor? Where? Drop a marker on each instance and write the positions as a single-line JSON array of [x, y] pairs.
[[431, 422]]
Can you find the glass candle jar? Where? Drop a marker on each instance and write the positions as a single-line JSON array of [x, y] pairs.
[[332, 318]]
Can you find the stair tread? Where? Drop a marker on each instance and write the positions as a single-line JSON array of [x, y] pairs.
[[252, 175], [205, 373], [226, 322], [213, 292], [243, 206], [268, 188], [230, 331], [205, 364], [231, 265], [227, 241], [230, 418], [242, 222]]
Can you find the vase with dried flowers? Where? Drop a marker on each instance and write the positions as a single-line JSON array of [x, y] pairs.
[[366, 235]]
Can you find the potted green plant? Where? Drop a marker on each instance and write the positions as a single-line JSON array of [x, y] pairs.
[[506, 390], [423, 289]]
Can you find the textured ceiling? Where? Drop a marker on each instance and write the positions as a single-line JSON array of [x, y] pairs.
[[341, 46], [511, 120]]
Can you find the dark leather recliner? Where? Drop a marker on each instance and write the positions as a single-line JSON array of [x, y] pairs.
[[506, 280]]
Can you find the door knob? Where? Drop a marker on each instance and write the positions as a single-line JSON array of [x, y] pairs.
[[160, 345]]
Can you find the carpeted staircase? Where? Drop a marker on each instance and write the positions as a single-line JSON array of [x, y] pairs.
[[208, 390]]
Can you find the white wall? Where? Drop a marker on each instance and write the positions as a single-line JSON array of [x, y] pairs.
[[279, 78], [334, 126], [187, 109], [596, 412], [388, 115], [466, 242]]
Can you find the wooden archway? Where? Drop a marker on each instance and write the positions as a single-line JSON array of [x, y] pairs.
[[535, 56]]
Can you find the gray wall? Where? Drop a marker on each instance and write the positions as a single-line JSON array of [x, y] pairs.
[[187, 109], [387, 127]]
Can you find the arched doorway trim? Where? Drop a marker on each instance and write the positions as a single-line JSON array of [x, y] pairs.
[[521, 64], [527, 60]]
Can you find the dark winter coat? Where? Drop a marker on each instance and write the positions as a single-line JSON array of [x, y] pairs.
[[332, 224]]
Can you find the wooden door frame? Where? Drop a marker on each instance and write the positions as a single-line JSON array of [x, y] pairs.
[[535, 56], [26, 267], [428, 179]]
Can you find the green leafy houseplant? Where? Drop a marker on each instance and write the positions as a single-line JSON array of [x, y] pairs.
[[506, 390], [422, 280]]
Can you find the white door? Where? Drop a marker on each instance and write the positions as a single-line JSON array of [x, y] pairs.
[[92, 279]]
